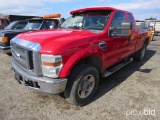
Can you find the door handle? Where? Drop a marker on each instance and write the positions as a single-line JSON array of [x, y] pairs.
[[103, 45]]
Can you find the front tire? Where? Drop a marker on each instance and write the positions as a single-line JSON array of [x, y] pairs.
[[139, 56], [82, 84]]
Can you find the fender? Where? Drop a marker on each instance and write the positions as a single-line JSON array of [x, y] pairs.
[[75, 58]]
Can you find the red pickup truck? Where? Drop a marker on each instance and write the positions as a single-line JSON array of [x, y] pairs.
[[92, 42]]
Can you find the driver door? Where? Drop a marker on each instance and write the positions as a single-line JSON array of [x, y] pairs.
[[117, 46]]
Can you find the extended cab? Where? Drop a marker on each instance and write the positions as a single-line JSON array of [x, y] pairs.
[[92, 42], [32, 25]]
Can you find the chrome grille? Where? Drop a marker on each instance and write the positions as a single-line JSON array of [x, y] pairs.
[[19, 49], [19, 55], [26, 58]]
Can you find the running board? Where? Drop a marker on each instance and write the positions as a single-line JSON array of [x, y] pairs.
[[117, 67]]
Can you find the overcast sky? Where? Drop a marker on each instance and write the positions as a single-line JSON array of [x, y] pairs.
[[140, 8]]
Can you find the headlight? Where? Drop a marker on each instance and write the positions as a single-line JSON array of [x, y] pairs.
[[3, 39], [51, 65]]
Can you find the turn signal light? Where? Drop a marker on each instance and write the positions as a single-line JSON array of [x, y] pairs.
[[3, 39], [55, 64]]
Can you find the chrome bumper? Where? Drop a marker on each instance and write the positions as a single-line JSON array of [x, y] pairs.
[[5, 49], [46, 85]]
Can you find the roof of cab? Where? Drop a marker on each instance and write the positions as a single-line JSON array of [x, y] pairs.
[[92, 8]]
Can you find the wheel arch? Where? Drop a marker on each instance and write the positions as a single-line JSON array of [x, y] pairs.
[[90, 59]]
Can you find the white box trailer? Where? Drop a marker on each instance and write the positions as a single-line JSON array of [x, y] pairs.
[[156, 27]]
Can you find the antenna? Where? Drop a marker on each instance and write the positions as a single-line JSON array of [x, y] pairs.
[[54, 6]]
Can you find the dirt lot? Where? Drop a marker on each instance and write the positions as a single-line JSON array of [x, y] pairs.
[[132, 93]]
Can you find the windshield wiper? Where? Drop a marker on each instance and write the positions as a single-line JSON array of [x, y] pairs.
[[74, 27], [85, 28]]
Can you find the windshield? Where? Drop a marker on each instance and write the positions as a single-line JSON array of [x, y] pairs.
[[33, 25], [86, 21], [10, 26]]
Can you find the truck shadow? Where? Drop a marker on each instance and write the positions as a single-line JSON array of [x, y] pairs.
[[111, 82], [155, 38]]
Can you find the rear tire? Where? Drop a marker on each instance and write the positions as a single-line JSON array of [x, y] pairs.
[[139, 56], [82, 84]]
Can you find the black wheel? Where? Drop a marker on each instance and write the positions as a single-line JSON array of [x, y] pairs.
[[82, 84], [141, 53]]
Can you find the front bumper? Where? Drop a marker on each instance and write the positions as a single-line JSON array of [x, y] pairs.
[[6, 49], [41, 84]]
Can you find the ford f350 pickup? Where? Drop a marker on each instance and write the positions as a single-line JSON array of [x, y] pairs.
[[92, 42]]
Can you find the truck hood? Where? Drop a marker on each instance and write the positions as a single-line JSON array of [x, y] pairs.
[[50, 39]]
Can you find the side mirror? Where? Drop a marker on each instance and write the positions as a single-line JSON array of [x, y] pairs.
[[125, 30]]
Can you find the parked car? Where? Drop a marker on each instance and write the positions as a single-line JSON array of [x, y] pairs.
[[32, 25], [92, 42], [10, 18]]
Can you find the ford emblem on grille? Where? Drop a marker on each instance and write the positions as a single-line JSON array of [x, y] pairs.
[[18, 55]]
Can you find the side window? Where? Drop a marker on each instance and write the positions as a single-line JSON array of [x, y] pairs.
[[44, 26], [118, 18], [130, 17], [55, 23], [51, 24]]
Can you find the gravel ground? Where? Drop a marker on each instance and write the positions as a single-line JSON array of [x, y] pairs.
[[132, 93]]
